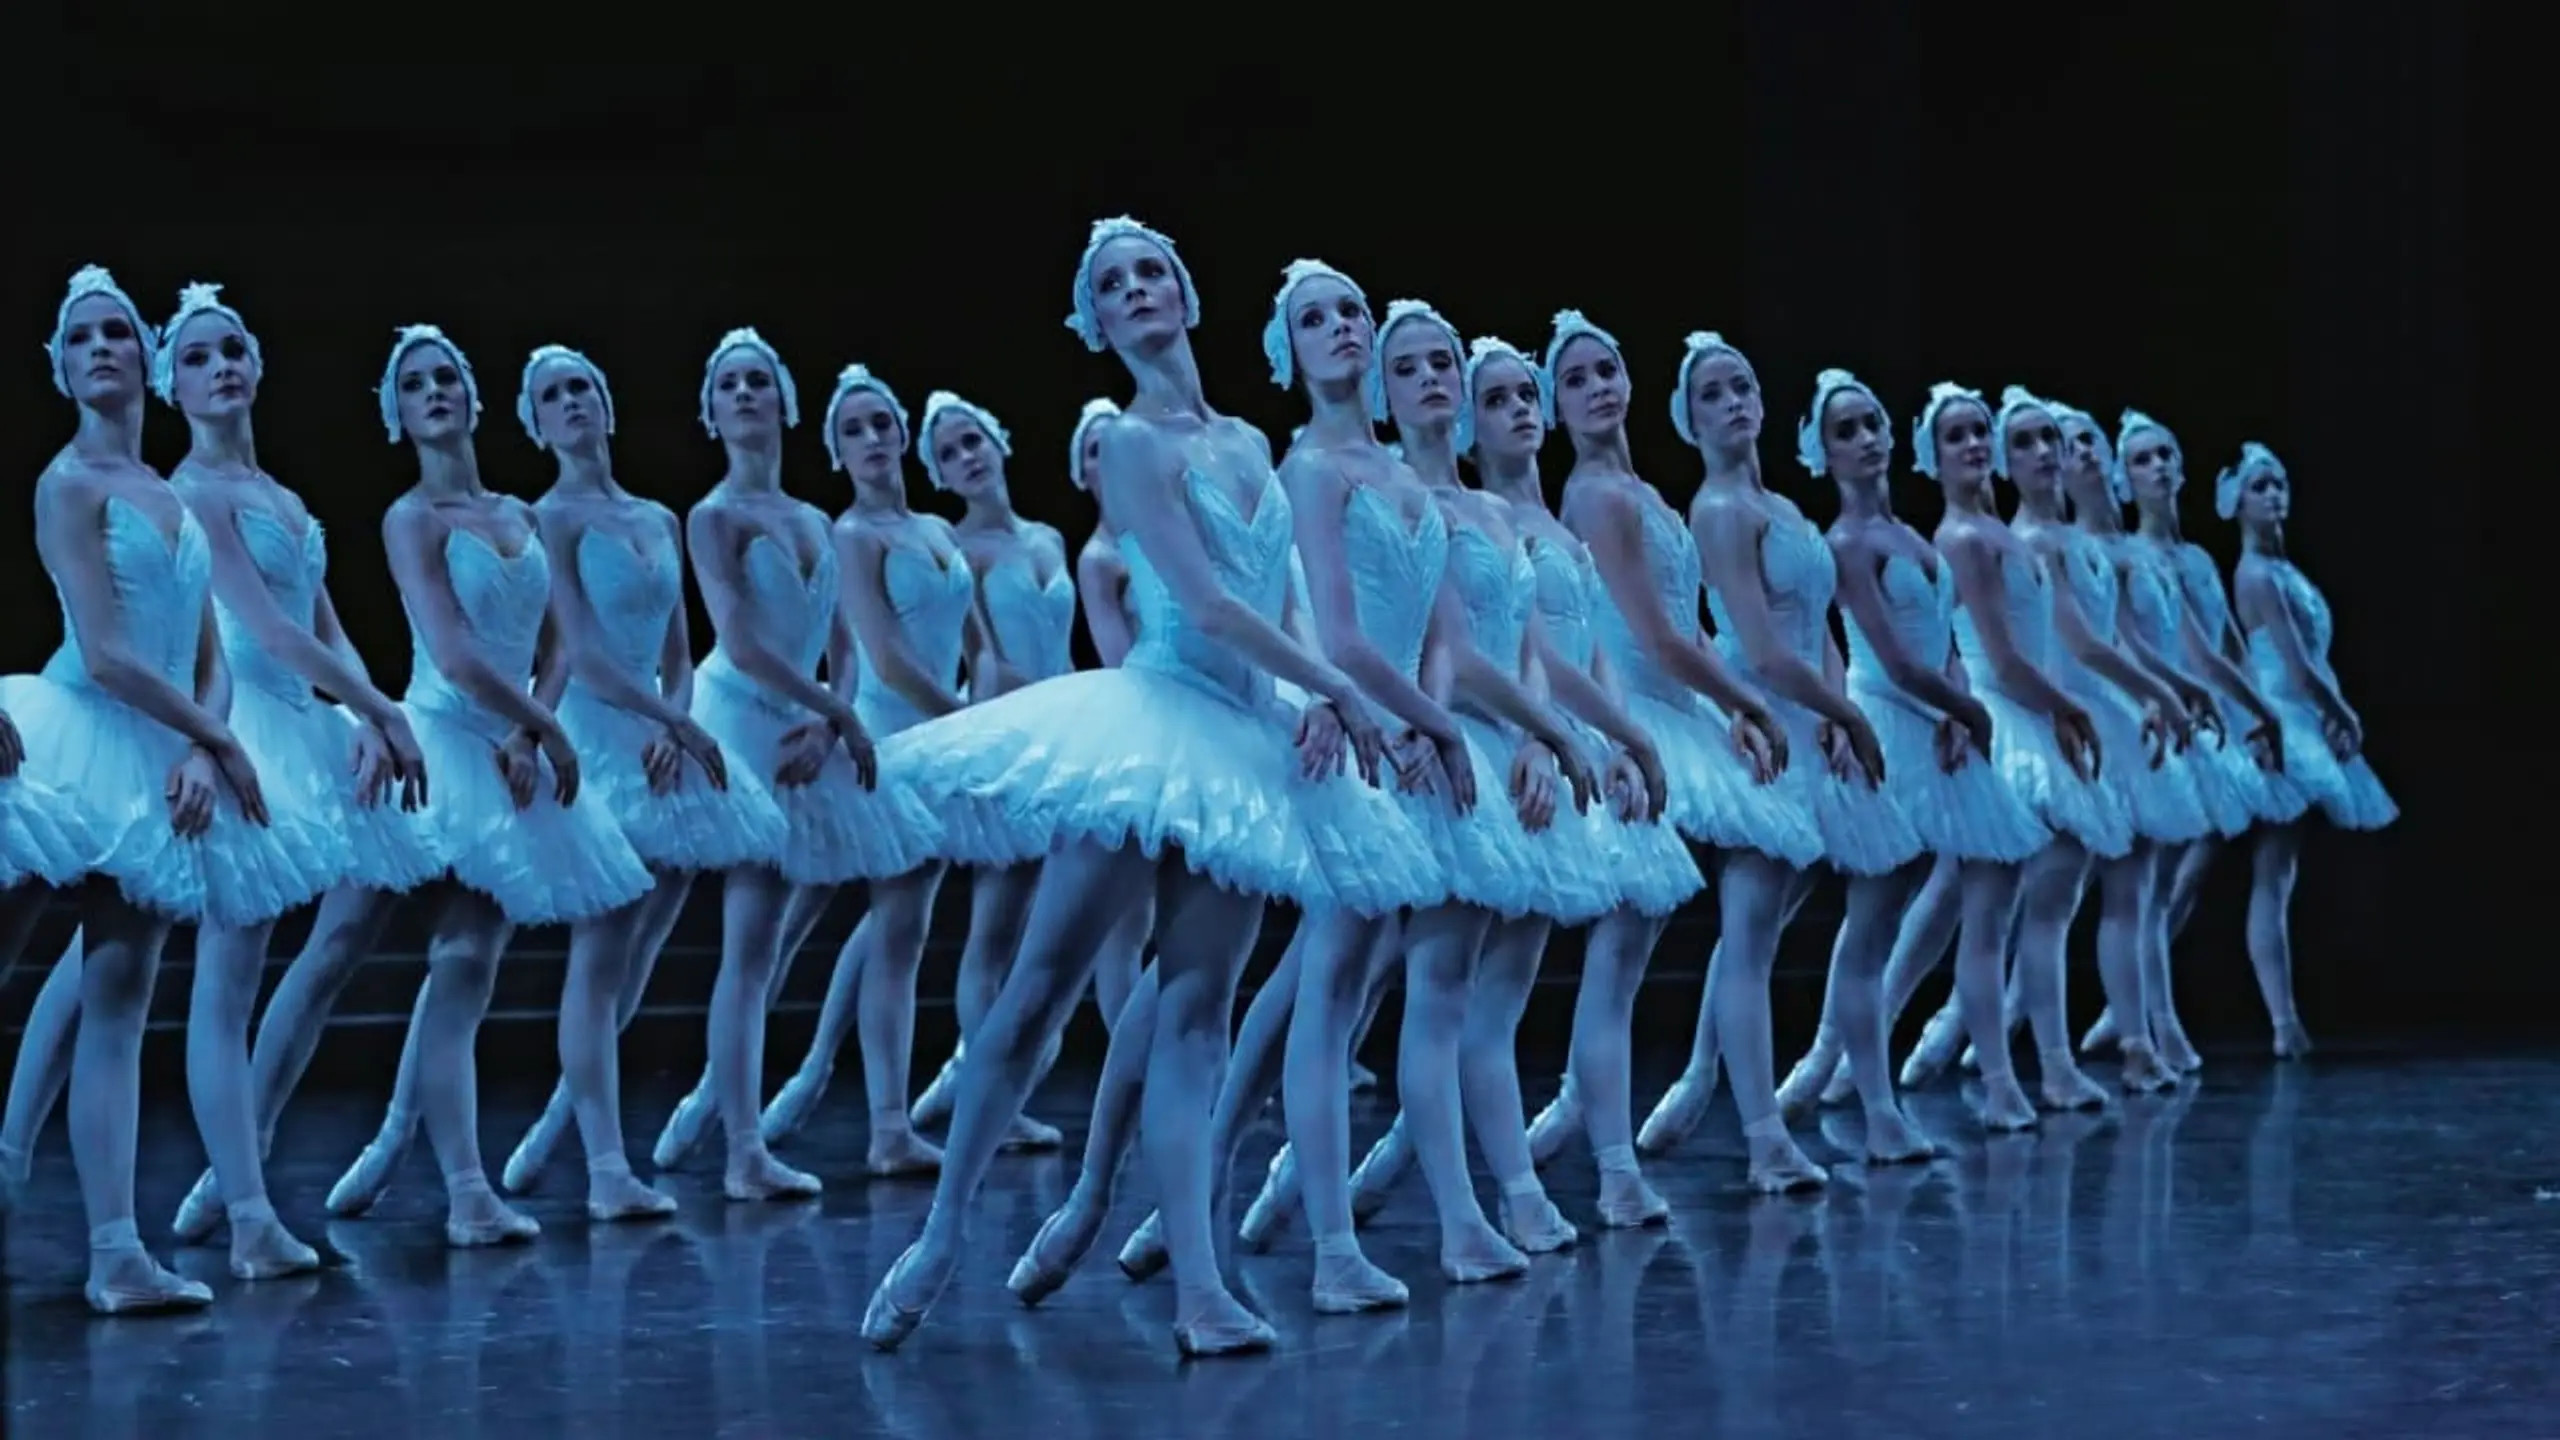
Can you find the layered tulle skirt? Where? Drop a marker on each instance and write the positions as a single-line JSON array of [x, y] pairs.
[[1714, 798], [1971, 813], [1560, 872], [692, 826], [2349, 795], [112, 765], [544, 864], [1646, 864], [2160, 800], [43, 835], [1136, 757], [2029, 761], [2227, 778], [298, 741], [834, 830], [1863, 829]]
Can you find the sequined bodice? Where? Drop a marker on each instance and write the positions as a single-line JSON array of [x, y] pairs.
[[2091, 574], [1566, 587], [796, 611], [1671, 565], [292, 562], [1797, 574], [1921, 612], [2026, 599], [2150, 580], [930, 597], [1250, 555], [1499, 589], [1396, 570], [1033, 620], [159, 590], [2311, 621], [502, 598], [633, 585]]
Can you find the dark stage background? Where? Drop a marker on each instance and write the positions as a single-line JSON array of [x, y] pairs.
[[2256, 231]]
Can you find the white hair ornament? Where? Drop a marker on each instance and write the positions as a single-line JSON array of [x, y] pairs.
[[1398, 313], [939, 404], [404, 340], [2254, 459], [524, 388], [1096, 410], [1698, 345], [746, 338], [197, 298], [1809, 448], [1924, 430], [1275, 330], [1086, 318], [91, 280], [1567, 327]]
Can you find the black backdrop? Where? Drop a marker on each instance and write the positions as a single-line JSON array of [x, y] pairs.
[[2255, 231]]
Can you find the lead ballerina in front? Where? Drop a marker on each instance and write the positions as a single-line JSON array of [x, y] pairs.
[[1178, 773]]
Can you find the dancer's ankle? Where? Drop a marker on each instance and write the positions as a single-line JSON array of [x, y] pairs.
[[1618, 1160], [114, 1237], [253, 1211]]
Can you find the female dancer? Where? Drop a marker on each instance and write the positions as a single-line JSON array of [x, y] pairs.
[[1102, 584], [1026, 604], [908, 601], [1679, 690], [522, 849], [1173, 774], [768, 571], [2289, 628], [128, 718], [2151, 469], [1769, 582], [617, 606]]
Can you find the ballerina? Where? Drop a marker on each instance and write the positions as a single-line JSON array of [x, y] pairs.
[[768, 567], [1175, 773], [617, 606], [2044, 748], [909, 600], [127, 723], [1769, 582], [1938, 739], [2289, 627], [1026, 616], [520, 846], [2234, 770], [1683, 692], [1101, 586]]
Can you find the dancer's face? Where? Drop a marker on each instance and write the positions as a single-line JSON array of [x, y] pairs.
[[2035, 451], [2085, 458], [1331, 333], [1724, 401], [1857, 444], [966, 457], [1963, 433], [1508, 423], [435, 405], [101, 352], [1591, 387], [868, 437], [2154, 468], [1137, 293], [568, 404], [746, 396], [1423, 373], [213, 372], [2266, 498]]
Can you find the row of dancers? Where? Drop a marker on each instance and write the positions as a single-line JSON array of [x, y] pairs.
[[1439, 718]]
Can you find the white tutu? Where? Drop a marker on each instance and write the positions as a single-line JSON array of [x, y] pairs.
[[690, 828], [1136, 757], [1971, 814], [1646, 863], [2030, 762], [1863, 829], [311, 747], [1714, 799], [835, 831], [112, 764], [2347, 792], [545, 864], [1561, 872], [43, 835], [2160, 800], [2228, 780]]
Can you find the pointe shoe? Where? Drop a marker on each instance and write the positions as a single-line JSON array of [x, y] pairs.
[[1557, 1123], [2292, 1041], [1800, 1094], [1032, 1136], [1144, 1254], [1534, 1224], [369, 1178], [200, 1214], [1272, 1204], [1940, 1040], [1060, 1246], [1347, 1284], [1482, 1257], [265, 1250], [1778, 1167], [615, 1198], [2005, 1107], [934, 1105], [2103, 1035], [476, 1221], [1893, 1139], [793, 1104], [890, 1317], [1373, 1182], [1363, 1079], [684, 1129], [132, 1283], [522, 1174], [1204, 1340], [1842, 1087], [1676, 1115], [758, 1176]]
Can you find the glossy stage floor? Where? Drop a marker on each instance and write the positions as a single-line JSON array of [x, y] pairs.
[[2359, 1247]]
